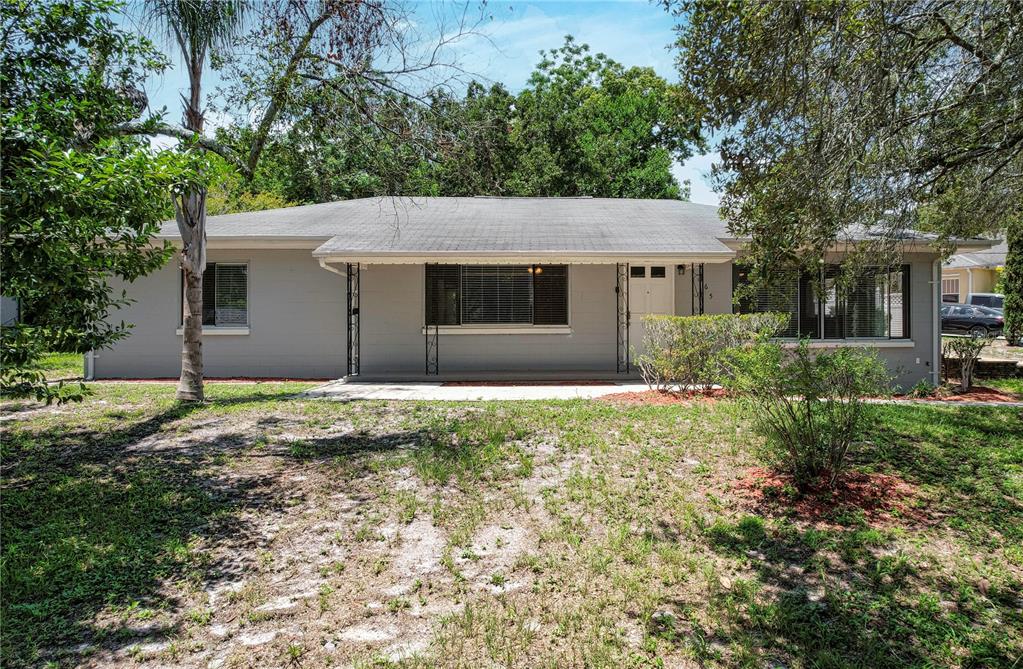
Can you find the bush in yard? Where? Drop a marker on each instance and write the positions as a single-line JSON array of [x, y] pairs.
[[682, 352], [967, 351], [807, 405]]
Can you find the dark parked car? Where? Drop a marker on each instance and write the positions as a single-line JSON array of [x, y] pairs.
[[971, 319]]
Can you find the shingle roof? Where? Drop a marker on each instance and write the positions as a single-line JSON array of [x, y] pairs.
[[992, 257], [494, 225], [486, 225]]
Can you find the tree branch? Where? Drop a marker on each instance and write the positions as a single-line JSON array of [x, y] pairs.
[[280, 92], [212, 145], [961, 42]]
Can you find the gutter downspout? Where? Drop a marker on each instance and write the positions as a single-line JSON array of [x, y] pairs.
[[325, 265], [90, 366], [936, 322]]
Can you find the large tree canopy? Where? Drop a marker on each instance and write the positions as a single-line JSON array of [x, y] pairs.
[[583, 125], [586, 125], [78, 207], [866, 116]]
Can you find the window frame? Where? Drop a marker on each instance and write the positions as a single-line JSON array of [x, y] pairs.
[[842, 319], [234, 328], [499, 328], [946, 293]]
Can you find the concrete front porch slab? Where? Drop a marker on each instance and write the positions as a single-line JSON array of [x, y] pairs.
[[361, 390]]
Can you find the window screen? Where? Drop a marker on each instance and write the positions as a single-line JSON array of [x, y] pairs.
[[231, 295], [874, 305], [782, 298], [496, 294], [550, 295], [225, 294], [867, 305], [442, 295]]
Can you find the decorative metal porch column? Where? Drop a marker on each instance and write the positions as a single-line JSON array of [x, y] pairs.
[[696, 280], [432, 338], [432, 349], [622, 310], [352, 276]]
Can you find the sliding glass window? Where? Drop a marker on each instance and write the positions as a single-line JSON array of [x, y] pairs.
[[872, 305]]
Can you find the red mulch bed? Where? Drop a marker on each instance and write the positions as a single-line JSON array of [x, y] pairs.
[[975, 394], [502, 384], [664, 397], [882, 498]]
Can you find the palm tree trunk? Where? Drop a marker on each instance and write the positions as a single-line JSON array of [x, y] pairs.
[[190, 210]]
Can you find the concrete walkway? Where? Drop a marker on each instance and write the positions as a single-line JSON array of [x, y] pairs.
[[361, 390]]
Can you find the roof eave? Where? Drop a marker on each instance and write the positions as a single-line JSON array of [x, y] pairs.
[[291, 242], [517, 257]]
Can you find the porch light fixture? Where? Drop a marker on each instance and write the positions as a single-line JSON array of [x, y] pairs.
[[681, 269], [535, 269]]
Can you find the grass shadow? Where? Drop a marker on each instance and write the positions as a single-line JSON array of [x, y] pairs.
[[98, 520], [857, 595]]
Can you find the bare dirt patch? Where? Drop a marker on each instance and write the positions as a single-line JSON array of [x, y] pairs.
[[665, 397], [882, 499], [974, 394]]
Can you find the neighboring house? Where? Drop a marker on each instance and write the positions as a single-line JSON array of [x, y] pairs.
[[8, 310], [488, 288], [974, 272]]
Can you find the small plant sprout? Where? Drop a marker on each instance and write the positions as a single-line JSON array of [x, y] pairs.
[[398, 604], [295, 652]]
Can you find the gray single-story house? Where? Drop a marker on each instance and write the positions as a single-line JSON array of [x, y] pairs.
[[488, 287]]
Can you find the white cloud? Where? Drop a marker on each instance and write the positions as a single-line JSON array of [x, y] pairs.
[[635, 34]]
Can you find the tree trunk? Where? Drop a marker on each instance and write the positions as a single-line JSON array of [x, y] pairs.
[[1012, 279], [190, 210]]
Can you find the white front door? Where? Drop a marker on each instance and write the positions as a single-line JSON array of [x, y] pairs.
[[651, 291]]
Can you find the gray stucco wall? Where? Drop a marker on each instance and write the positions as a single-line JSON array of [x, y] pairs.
[[296, 323], [393, 341], [912, 365], [717, 292]]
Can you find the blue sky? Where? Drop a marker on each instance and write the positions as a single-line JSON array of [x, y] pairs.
[[631, 32]]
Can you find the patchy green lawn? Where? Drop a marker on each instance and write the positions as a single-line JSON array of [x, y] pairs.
[[1014, 385], [59, 366], [263, 530]]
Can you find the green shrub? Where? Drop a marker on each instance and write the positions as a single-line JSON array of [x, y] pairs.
[[807, 404], [967, 351], [682, 352]]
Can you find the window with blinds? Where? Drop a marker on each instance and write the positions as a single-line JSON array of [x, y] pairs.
[[875, 304], [550, 295], [496, 294], [950, 289], [225, 294]]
